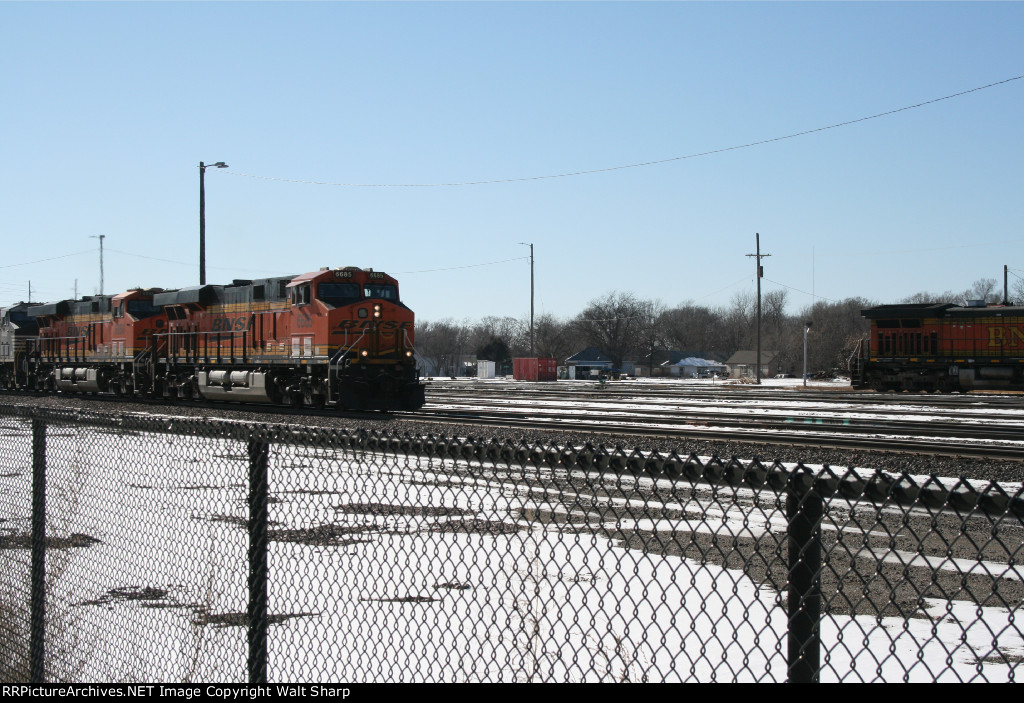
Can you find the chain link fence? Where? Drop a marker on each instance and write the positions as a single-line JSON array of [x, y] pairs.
[[167, 549]]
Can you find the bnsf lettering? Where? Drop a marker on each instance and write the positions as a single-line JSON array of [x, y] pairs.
[[1005, 336], [230, 324]]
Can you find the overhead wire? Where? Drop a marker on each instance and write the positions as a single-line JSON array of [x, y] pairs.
[[641, 164]]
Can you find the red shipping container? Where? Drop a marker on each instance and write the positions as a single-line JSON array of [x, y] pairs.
[[535, 369]]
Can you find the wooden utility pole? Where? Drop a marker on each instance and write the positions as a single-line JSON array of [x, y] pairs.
[[760, 274]]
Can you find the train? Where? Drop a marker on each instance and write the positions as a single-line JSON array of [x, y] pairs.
[[337, 337], [941, 348]]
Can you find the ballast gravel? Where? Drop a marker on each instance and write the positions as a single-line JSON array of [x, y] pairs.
[[891, 461]]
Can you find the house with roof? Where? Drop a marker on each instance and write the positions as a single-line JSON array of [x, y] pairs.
[[744, 362], [669, 363], [589, 363], [695, 367]]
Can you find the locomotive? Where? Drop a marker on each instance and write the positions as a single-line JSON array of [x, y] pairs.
[[334, 337], [17, 332], [941, 348]]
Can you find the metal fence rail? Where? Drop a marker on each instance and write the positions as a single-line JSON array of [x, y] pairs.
[[143, 548]]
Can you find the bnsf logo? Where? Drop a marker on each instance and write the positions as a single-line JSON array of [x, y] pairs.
[[1005, 336], [230, 324], [364, 324]]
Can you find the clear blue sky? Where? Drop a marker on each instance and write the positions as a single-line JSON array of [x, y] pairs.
[[108, 108]]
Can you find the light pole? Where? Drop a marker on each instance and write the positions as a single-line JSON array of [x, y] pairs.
[[807, 328], [531, 294], [100, 237], [202, 217]]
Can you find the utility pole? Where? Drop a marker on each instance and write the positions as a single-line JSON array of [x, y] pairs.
[[1006, 295], [531, 295], [100, 237], [760, 274]]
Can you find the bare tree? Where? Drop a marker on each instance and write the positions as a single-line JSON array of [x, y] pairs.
[[616, 324], [556, 338], [837, 328], [442, 344], [694, 328]]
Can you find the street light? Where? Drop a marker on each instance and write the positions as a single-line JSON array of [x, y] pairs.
[[807, 328], [202, 217], [531, 294], [100, 237]]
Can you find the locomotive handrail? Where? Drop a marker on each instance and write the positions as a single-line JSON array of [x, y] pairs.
[[57, 356], [230, 335], [340, 354]]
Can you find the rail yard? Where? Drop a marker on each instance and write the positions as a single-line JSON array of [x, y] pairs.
[[973, 435]]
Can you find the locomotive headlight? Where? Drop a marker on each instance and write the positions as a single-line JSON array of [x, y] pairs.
[[376, 310], [365, 353], [408, 353]]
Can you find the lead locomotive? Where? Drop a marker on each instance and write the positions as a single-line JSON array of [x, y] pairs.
[[334, 337]]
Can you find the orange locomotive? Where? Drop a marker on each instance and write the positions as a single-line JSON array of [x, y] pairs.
[[930, 347], [335, 337], [92, 345]]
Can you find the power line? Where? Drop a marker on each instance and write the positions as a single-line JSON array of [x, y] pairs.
[[634, 165], [801, 291], [52, 258], [467, 266]]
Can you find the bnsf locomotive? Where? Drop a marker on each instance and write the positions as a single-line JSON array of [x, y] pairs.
[[335, 337], [927, 347]]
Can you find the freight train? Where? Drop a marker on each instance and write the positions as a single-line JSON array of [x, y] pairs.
[[334, 337], [941, 348]]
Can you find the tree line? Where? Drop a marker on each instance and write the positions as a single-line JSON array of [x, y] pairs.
[[628, 328]]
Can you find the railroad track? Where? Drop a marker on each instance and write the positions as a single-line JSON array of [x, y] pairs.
[[990, 427]]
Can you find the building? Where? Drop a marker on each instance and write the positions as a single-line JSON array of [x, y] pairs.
[[744, 362]]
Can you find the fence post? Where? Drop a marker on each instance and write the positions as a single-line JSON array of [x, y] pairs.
[[804, 510], [37, 627], [259, 451]]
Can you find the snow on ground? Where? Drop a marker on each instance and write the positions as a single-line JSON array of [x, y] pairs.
[[387, 569]]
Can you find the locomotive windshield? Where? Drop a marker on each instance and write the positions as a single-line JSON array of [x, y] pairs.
[[22, 320], [384, 291], [338, 294], [140, 309]]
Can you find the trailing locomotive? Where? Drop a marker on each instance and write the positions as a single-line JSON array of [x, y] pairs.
[[944, 348], [334, 337], [17, 333]]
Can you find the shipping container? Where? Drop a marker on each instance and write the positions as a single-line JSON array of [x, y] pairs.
[[535, 369], [485, 369]]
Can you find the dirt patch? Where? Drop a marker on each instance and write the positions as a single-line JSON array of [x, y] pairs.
[[242, 619], [23, 540], [478, 527], [387, 509], [402, 599], [126, 594], [324, 535]]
